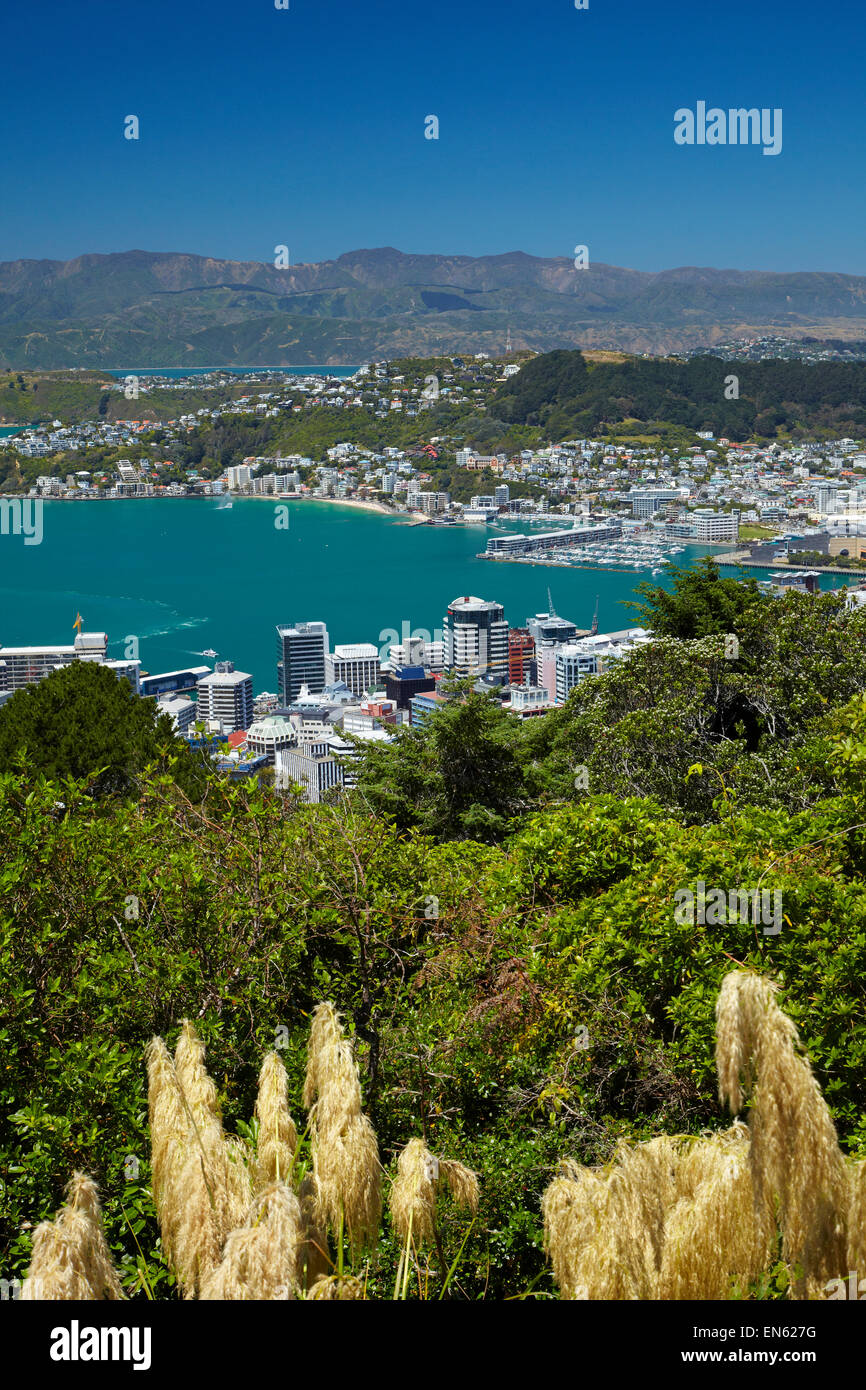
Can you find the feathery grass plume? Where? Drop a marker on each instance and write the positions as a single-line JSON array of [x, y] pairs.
[[669, 1218], [331, 1286], [462, 1183], [169, 1123], [857, 1217], [795, 1157], [70, 1261], [643, 1185], [604, 1231], [583, 1235], [260, 1261], [416, 1188], [197, 1086], [201, 1183], [314, 1258], [345, 1152], [413, 1193], [715, 1232], [278, 1137], [326, 1036]]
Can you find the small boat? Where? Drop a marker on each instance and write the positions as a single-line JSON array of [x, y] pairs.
[[209, 651]]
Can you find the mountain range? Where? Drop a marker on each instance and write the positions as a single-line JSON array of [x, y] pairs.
[[168, 309]]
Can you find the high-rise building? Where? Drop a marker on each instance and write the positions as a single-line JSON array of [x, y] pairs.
[[356, 664], [521, 650], [476, 638], [302, 649], [226, 697]]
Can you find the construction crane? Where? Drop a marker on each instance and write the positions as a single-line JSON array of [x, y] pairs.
[[594, 628], [550, 608]]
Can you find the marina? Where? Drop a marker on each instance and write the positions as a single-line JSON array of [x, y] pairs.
[[640, 553]]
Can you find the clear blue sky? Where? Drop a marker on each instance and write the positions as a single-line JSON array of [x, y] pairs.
[[306, 127]]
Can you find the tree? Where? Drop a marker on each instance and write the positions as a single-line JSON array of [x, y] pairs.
[[460, 775], [86, 722], [702, 602]]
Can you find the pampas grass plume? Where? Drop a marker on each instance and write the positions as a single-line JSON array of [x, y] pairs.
[[70, 1260]]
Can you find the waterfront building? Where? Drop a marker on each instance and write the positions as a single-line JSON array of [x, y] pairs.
[[706, 527], [476, 638], [128, 670], [645, 502], [521, 544], [592, 656], [173, 682], [226, 697], [550, 627], [572, 664], [302, 651], [417, 651], [25, 665], [432, 502]]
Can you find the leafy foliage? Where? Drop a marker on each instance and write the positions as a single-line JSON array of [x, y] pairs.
[[503, 945]]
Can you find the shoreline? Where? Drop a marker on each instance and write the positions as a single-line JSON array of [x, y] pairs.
[[358, 503], [734, 560]]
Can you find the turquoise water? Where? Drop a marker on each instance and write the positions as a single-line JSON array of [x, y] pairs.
[[10, 429], [184, 575], [175, 372]]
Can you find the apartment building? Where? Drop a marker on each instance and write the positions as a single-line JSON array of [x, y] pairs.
[[476, 638], [226, 697]]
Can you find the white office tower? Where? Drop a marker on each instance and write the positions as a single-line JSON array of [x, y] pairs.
[[226, 697], [476, 638], [301, 652], [356, 665]]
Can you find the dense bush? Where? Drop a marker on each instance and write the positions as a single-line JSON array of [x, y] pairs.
[[512, 1000]]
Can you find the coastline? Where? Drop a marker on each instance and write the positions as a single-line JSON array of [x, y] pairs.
[[359, 504], [734, 560]]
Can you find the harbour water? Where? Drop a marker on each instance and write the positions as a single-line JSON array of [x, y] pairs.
[[185, 575], [174, 373]]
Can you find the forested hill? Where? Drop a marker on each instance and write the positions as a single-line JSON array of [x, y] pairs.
[[570, 397]]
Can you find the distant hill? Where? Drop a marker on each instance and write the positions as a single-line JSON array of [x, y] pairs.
[[142, 308]]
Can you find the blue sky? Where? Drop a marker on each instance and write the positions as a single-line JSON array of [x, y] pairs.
[[305, 127]]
